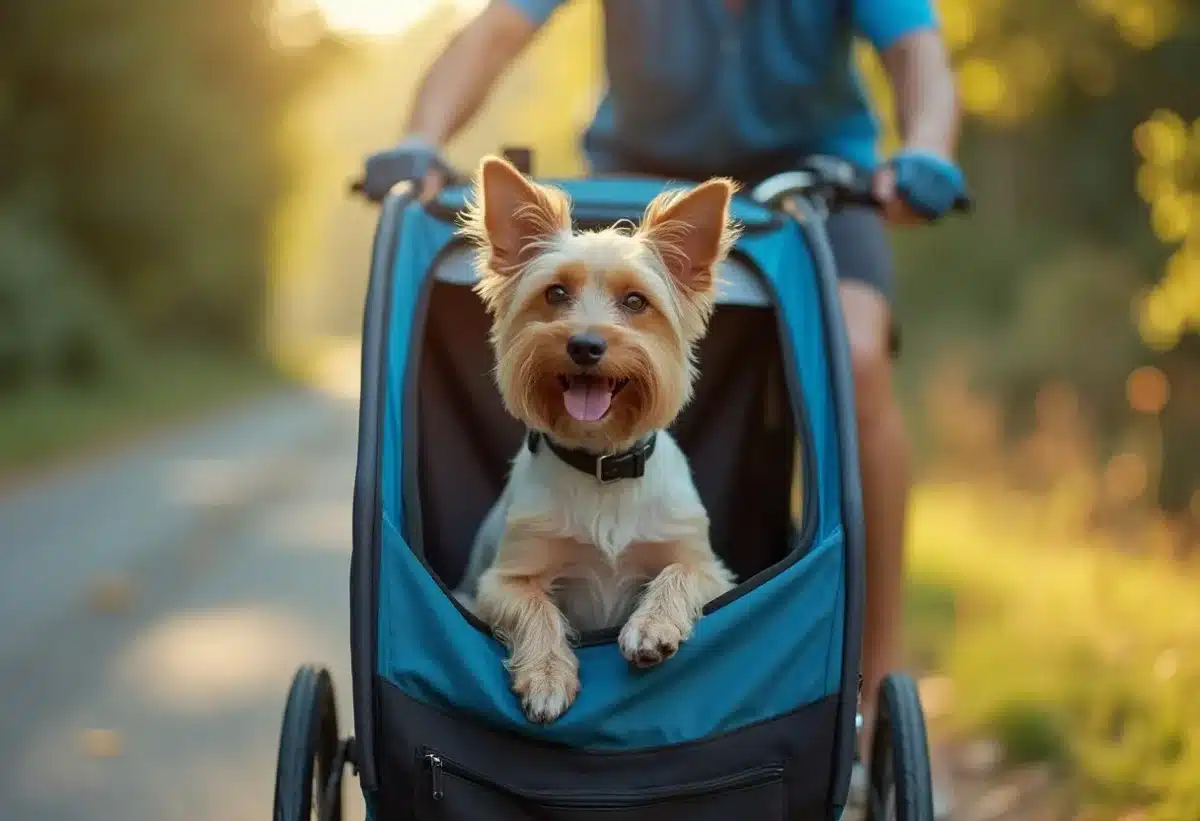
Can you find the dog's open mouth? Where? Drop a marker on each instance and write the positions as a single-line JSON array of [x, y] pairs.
[[588, 397]]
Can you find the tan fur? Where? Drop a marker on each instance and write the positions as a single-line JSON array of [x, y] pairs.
[[573, 553], [515, 598], [672, 602]]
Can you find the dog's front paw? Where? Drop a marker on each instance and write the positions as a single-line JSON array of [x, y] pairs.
[[647, 640], [547, 690]]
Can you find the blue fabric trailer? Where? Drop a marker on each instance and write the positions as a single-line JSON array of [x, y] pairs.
[[755, 714], [754, 719]]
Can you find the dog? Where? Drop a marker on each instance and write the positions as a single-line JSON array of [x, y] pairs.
[[594, 332]]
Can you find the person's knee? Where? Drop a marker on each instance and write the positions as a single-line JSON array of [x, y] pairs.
[[868, 321]]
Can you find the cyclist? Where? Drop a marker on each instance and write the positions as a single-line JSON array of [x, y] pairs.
[[747, 89]]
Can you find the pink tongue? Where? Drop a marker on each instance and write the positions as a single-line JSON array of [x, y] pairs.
[[587, 401]]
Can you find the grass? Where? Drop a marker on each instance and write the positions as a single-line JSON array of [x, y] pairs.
[[1062, 648], [45, 425]]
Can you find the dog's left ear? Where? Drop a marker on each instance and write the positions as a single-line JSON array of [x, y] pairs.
[[692, 231], [511, 214]]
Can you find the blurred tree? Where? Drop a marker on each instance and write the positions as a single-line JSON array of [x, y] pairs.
[[142, 167], [1061, 271]]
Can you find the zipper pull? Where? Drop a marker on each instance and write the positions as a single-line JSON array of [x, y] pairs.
[[435, 775]]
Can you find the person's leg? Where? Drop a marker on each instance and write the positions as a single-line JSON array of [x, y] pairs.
[[865, 270], [883, 462], [864, 258]]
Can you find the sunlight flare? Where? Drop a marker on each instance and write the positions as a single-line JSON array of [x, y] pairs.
[[382, 18]]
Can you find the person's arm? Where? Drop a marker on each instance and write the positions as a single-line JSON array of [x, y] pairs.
[[924, 91], [459, 80], [911, 48]]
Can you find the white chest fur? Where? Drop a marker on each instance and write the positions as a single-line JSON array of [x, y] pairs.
[[660, 506], [615, 525], [615, 529]]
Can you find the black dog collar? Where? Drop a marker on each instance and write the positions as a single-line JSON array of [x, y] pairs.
[[605, 467]]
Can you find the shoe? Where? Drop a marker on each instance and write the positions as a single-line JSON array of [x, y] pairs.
[[941, 803], [857, 797]]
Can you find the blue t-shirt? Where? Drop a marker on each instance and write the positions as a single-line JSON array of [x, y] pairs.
[[695, 88]]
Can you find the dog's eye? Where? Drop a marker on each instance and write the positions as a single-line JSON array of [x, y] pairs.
[[634, 303], [557, 295]]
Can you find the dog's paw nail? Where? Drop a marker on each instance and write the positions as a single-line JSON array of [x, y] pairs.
[[645, 644], [648, 658]]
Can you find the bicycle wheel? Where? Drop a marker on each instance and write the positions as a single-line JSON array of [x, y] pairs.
[[308, 744], [900, 787]]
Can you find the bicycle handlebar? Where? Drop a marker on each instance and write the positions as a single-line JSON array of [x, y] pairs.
[[835, 182], [400, 167]]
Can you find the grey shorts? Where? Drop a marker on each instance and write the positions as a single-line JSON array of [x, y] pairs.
[[863, 253], [861, 249]]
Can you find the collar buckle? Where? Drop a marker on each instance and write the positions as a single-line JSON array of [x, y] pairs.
[[600, 461]]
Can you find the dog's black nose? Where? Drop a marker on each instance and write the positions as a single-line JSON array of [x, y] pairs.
[[586, 349]]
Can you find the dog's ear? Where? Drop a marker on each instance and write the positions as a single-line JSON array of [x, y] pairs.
[[510, 215], [691, 231]]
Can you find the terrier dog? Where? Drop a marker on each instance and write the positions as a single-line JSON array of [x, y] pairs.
[[594, 333]]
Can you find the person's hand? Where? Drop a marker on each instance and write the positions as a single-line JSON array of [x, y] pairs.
[[918, 186], [895, 210], [437, 174], [432, 183], [414, 159]]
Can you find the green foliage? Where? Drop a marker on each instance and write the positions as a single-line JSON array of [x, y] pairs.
[[1062, 649], [53, 321], [1029, 732], [141, 171], [929, 606], [1046, 283], [50, 421]]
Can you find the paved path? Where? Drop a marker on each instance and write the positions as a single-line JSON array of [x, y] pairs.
[[153, 607]]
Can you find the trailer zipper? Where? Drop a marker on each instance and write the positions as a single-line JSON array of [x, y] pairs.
[[439, 767]]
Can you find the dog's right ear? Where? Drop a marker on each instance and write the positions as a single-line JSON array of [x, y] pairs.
[[510, 215], [692, 231]]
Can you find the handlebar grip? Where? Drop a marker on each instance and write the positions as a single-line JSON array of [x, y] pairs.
[[859, 193], [386, 169]]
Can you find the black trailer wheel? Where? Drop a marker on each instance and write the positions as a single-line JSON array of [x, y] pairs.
[[308, 747], [899, 786]]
